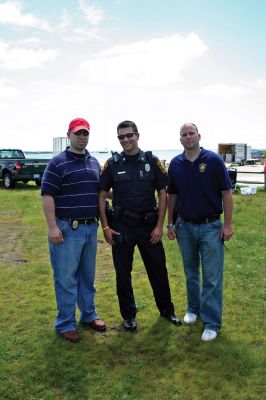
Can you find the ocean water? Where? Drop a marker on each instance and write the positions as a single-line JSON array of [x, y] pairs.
[[165, 155]]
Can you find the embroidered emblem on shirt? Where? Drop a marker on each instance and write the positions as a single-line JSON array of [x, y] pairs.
[[202, 167], [161, 167], [104, 167], [147, 167]]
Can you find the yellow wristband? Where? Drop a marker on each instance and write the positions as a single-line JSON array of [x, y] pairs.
[[105, 228]]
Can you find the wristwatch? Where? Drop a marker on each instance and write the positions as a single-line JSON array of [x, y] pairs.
[[170, 225]]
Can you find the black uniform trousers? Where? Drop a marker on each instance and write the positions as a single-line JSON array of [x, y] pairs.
[[153, 256]]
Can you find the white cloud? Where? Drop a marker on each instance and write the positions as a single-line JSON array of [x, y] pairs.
[[11, 14], [83, 35], [22, 58], [8, 90], [65, 21], [260, 83], [80, 34], [151, 62], [224, 91], [30, 42], [94, 15]]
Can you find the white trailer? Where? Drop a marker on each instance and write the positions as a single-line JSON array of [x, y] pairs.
[[234, 152]]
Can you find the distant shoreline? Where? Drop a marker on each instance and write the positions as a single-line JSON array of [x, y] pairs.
[[163, 155], [38, 152]]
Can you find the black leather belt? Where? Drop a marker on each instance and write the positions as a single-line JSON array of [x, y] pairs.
[[147, 218], [202, 220], [131, 216], [80, 220], [75, 222]]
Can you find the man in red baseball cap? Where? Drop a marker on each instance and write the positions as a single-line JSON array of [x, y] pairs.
[[70, 188]]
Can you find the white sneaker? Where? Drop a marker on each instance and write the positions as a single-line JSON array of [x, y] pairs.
[[190, 318], [208, 334]]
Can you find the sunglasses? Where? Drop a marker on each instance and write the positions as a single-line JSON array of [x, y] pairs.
[[126, 135], [82, 132]]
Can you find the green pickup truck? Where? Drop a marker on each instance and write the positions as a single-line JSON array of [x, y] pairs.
[[14, 166]]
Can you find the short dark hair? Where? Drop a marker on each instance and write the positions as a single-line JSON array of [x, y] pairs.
[[127, 124]]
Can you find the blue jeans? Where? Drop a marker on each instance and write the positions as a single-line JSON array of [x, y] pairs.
[[202, 243], [73, 262]]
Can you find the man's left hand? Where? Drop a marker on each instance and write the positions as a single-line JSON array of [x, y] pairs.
[[227, 232]]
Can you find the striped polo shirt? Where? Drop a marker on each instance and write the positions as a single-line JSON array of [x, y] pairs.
[[73, 181]]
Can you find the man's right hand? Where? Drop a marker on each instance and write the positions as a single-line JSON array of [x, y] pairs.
[[171, 233], [55, 235]]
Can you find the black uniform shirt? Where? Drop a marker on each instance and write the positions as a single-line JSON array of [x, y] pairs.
[[134, 180]]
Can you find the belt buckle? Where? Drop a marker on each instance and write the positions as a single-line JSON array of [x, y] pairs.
[[74, 224]]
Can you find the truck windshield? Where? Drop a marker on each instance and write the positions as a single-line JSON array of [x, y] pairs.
[[11, 154]]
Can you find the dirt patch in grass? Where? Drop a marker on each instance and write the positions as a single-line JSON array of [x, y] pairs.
[[105, 268], [11, 232]]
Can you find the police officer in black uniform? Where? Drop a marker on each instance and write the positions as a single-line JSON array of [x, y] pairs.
[[134, 176]]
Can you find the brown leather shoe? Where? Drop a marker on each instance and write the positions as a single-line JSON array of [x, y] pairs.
[[96, 324], [72, 336]]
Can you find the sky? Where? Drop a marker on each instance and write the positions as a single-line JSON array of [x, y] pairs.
[[159, 63]]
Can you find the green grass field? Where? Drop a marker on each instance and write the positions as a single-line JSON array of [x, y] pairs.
[[160, 361]]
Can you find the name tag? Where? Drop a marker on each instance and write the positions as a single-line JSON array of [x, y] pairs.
[[121, 172]]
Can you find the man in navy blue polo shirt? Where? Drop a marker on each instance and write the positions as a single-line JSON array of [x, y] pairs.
[[70, 188], [199, 191]]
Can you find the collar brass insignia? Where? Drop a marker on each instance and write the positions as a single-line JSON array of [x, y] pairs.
[[104, 167], [161, 166]]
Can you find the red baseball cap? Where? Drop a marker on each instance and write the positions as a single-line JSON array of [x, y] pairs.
[[78, 124]]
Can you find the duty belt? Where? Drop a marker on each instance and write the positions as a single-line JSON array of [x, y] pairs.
[[206, 220], [75, 222], [147, 218]]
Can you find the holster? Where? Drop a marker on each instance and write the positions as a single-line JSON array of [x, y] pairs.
[[109, 212], [113, 213]]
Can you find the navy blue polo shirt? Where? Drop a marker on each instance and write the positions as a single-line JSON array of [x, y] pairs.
[[73, 181], [198, 184]]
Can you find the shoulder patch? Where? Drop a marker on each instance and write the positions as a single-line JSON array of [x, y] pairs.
[[161, 166], [104, 167]]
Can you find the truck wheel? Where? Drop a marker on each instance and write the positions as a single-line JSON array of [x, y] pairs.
[[8, 182], [38, 182]]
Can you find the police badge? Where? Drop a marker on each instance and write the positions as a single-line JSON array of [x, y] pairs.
[[147, 167], [202, 167], [74, 224]]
